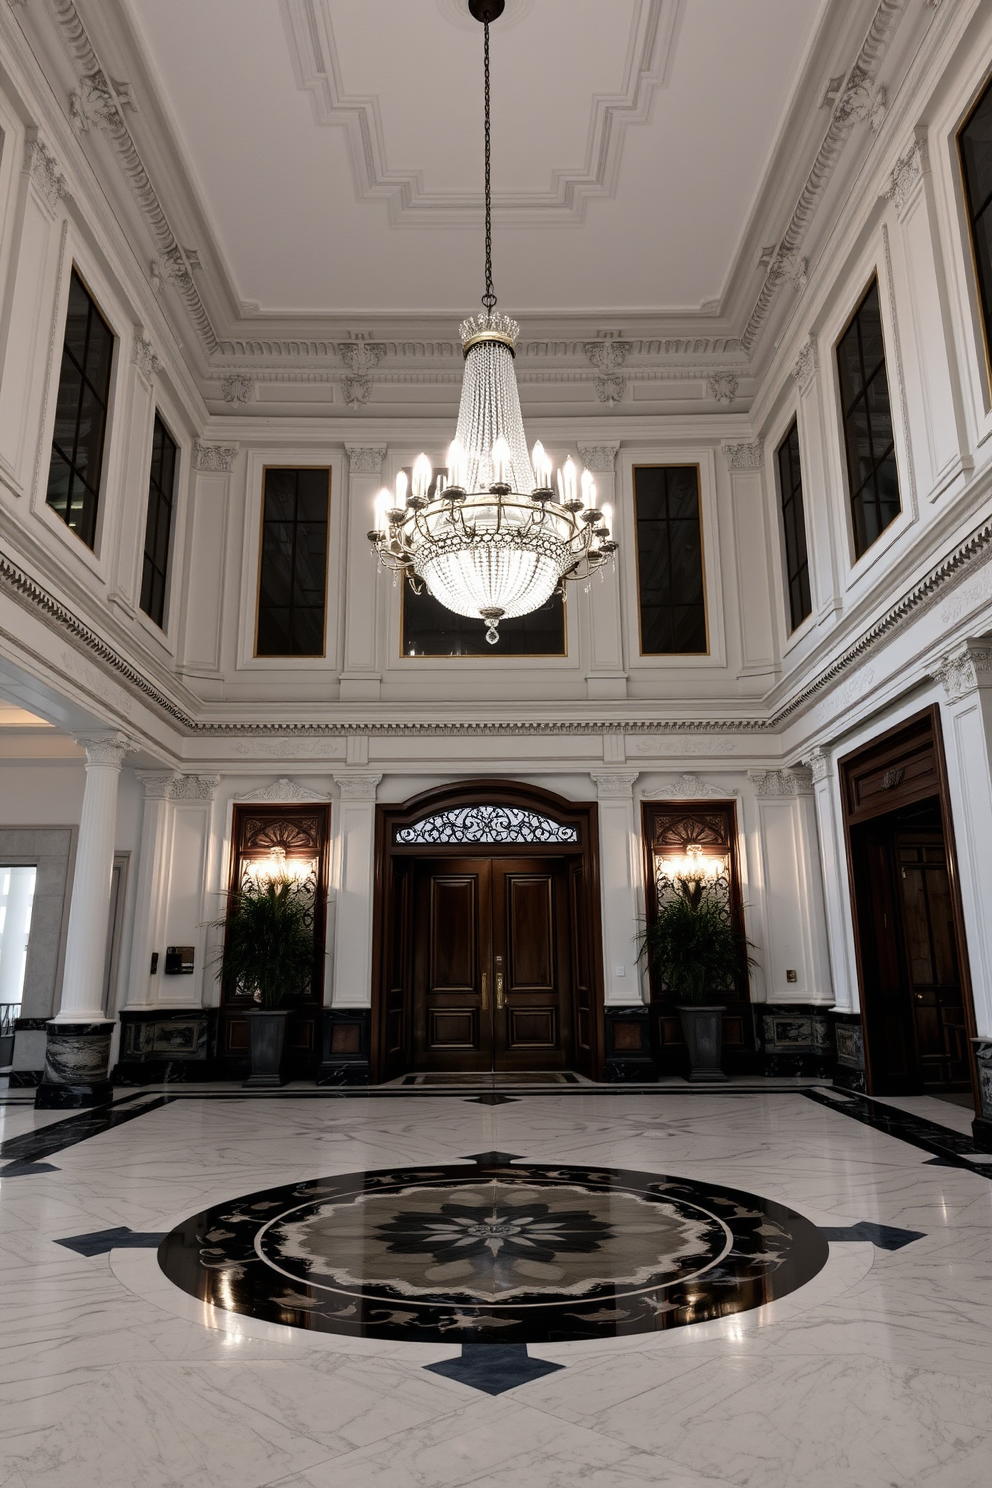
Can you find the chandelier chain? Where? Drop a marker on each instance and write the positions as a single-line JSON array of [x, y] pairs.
[[489, 298]]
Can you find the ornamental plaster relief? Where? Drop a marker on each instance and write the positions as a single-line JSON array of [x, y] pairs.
[[282, 791], [43, 168], [689, 787], [216, 458]]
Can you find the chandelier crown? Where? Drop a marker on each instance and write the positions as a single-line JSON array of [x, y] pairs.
[[489, 326]]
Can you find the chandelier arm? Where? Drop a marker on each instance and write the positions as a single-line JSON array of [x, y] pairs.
[[489, 298]]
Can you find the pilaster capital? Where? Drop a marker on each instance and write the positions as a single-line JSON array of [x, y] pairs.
[[194, 787], [365, 459], [908, 172], [105, 749], [357, 787], [745, 456], [214, 457], [157, 783], [614, 785], [601, 459], [819, 764], [963, 671], [777, 783], [805, 366]]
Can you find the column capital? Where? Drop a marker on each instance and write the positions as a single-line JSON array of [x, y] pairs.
[[601, 459], [805, 366], [366, 459], [157, 783], [105, 749], [745, 456], [818, 763], [963, 670], [770, 783], [612, 785], [357, 787]]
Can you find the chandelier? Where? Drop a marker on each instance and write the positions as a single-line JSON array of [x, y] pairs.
[[499, 530]]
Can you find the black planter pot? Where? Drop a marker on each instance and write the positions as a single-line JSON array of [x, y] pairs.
[[266, 1040], [702, 1028]]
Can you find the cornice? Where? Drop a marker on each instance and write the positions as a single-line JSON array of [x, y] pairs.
[[858, 98]]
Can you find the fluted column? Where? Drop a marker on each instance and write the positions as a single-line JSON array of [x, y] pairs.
[[78, 1049]]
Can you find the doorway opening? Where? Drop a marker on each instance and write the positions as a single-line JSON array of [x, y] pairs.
[[487, 940], [909, 934]]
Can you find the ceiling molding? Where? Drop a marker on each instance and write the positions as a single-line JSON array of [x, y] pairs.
[[858, 99], [409, 203]]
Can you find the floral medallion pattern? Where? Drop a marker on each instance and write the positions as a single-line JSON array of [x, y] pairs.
[[493, 1250]]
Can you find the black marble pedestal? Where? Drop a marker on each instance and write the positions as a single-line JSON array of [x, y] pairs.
[[77, 1059]]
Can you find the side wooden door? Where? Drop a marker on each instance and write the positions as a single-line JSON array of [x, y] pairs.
[[452, 961], [532, 1008]]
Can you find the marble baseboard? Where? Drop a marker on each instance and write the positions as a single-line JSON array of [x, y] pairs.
[[23, 1079], [73, 1097], [794, 1039]]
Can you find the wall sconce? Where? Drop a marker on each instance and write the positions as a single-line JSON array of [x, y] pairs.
[[277, 868]]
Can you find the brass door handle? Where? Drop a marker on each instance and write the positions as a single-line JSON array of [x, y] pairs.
[[485, 991], [499, 989]]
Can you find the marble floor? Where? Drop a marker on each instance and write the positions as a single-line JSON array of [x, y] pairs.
[[851, 1347]]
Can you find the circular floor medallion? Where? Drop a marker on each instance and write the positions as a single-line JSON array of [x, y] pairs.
[[493, 1250]]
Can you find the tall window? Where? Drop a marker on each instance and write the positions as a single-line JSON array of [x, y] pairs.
[[81, 414], [871, 453], [158, 524], [669, 560], [975, 144], [790, 482], [293, 571]]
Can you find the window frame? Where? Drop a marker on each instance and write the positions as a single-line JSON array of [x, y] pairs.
[[663, 657], [874, 280], [983, 315], [163, 624], [795, 625], [52, 514], [291, 656]]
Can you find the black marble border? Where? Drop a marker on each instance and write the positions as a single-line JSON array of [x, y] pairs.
[[218, 1257], [952, 1147], [47, 1140]]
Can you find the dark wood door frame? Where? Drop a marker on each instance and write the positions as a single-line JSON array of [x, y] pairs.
[[392, 954], [898, 768]]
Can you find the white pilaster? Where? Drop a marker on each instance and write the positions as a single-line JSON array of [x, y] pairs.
[[151, 890], [603, 639], [89, 911], [620, 880], [966, 675], [792, 889], [833, 862], [355, 870], [360, 676]]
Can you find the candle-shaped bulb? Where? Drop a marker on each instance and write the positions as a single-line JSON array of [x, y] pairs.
[[383, 502], [588, 487], [607, 516], [401, 488], [456, 463], [500, 456], [421, 475], [569, 482], [542, 466]]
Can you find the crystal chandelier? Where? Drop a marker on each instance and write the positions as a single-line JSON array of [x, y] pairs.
[[498, 531]]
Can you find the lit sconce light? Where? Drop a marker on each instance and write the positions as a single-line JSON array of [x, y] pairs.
[[277, 868]]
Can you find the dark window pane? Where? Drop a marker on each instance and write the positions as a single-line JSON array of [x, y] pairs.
[[872, 478], [293, 573], [158, 523], [80, 414], [975, 142], [669, 560], [794, 527]]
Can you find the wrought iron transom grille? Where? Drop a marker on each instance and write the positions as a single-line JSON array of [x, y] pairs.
[[484, 825]]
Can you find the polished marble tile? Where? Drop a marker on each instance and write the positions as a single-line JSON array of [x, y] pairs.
[[876, 1372]]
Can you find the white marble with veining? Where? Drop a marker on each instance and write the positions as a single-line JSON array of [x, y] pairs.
[[877, 1373]]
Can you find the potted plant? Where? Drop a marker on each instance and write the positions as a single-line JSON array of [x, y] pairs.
[[697, 953], [268, 953]]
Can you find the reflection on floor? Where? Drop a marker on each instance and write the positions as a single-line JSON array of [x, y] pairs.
[[821, 1262]]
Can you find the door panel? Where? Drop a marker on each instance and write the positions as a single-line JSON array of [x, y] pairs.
[[936, 994], [451, 943], [531, 964]]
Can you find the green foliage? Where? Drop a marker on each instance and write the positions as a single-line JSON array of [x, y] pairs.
[[693, 947], [268, 941]]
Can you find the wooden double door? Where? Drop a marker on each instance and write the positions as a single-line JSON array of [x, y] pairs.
[[492, 976]]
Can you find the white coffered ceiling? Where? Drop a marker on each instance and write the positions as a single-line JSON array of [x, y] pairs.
[[335, 146]]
